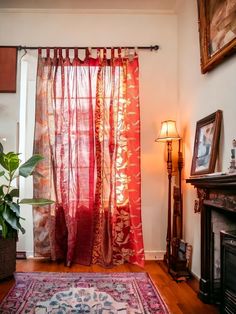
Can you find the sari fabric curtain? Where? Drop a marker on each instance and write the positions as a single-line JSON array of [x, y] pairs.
[[88, 129]]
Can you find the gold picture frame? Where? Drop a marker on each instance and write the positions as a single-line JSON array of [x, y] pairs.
[[217, 31], [206, 144]]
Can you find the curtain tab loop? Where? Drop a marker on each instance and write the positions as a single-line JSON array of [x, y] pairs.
[[40, 52], [100, 53], [88, 52], [60, 53], [76, 53], [67, 53], [48, 53], [55, 53], [104, 53], [112, 52]]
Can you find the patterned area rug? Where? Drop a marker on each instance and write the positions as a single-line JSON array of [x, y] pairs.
[[96, 293]]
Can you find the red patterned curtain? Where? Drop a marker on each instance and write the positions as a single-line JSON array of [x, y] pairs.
[[88, 130]]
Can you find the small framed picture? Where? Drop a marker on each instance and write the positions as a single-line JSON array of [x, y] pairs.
[[217, 31], [206, 144]]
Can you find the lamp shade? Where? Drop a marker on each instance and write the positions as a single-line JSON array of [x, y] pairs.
[[168, 132]]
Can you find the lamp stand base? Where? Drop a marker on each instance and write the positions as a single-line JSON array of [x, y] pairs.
[[177, 268], [181, 275], [166, 261]]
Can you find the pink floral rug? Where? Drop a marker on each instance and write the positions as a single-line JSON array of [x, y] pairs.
[[80, 293]]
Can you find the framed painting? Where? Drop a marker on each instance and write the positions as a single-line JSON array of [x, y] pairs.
[[217, 31], [206, 144]]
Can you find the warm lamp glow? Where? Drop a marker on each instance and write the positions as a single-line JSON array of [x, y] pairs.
[[168, 132]]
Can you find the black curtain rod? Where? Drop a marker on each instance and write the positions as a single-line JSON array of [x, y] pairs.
[[151, 48]]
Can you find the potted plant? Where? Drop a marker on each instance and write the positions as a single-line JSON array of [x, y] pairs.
[[10, 219]]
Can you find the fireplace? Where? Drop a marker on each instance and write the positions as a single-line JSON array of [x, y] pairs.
[[221, 222], [228, 272], [217, 205]]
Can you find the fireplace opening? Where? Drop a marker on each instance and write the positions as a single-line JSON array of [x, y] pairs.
[[221, 221], [228, 272]]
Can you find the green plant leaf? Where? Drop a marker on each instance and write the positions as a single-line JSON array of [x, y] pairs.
[[7, 198], [27, 168], [14, 193], [36, 201], [1, 190], [9, 210], [20, 226], [1, 148], [3, 161], [10, 161], [15, 208], [10, 217]]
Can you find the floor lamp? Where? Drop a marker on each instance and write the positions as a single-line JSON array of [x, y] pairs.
[[168, 134]]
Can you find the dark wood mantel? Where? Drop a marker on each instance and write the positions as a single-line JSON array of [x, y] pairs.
[[214, 181], [214, 192]]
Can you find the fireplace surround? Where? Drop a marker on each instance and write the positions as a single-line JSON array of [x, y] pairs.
[[217, 205]]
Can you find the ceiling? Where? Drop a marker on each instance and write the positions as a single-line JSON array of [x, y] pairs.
[[162, 5]]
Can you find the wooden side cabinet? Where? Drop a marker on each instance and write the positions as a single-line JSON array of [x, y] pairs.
[[8, 66]]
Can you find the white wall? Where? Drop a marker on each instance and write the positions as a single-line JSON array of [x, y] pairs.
[[199, 96], [158, 88]]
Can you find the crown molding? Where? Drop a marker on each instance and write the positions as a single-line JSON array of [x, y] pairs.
[[85, 11]]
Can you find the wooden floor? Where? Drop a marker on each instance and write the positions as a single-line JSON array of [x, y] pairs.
[[179, 297]]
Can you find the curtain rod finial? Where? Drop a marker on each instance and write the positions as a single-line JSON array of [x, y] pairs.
[[156, 47]]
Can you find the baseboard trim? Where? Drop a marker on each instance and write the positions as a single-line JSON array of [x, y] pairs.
[[29, 254], [149, 255], [154, 255], [21, 255], [194, 282]]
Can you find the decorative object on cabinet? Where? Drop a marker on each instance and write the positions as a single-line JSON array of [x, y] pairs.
[[8, 66], [232, 167], [168, 134], [217, 31], [206, 144]]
